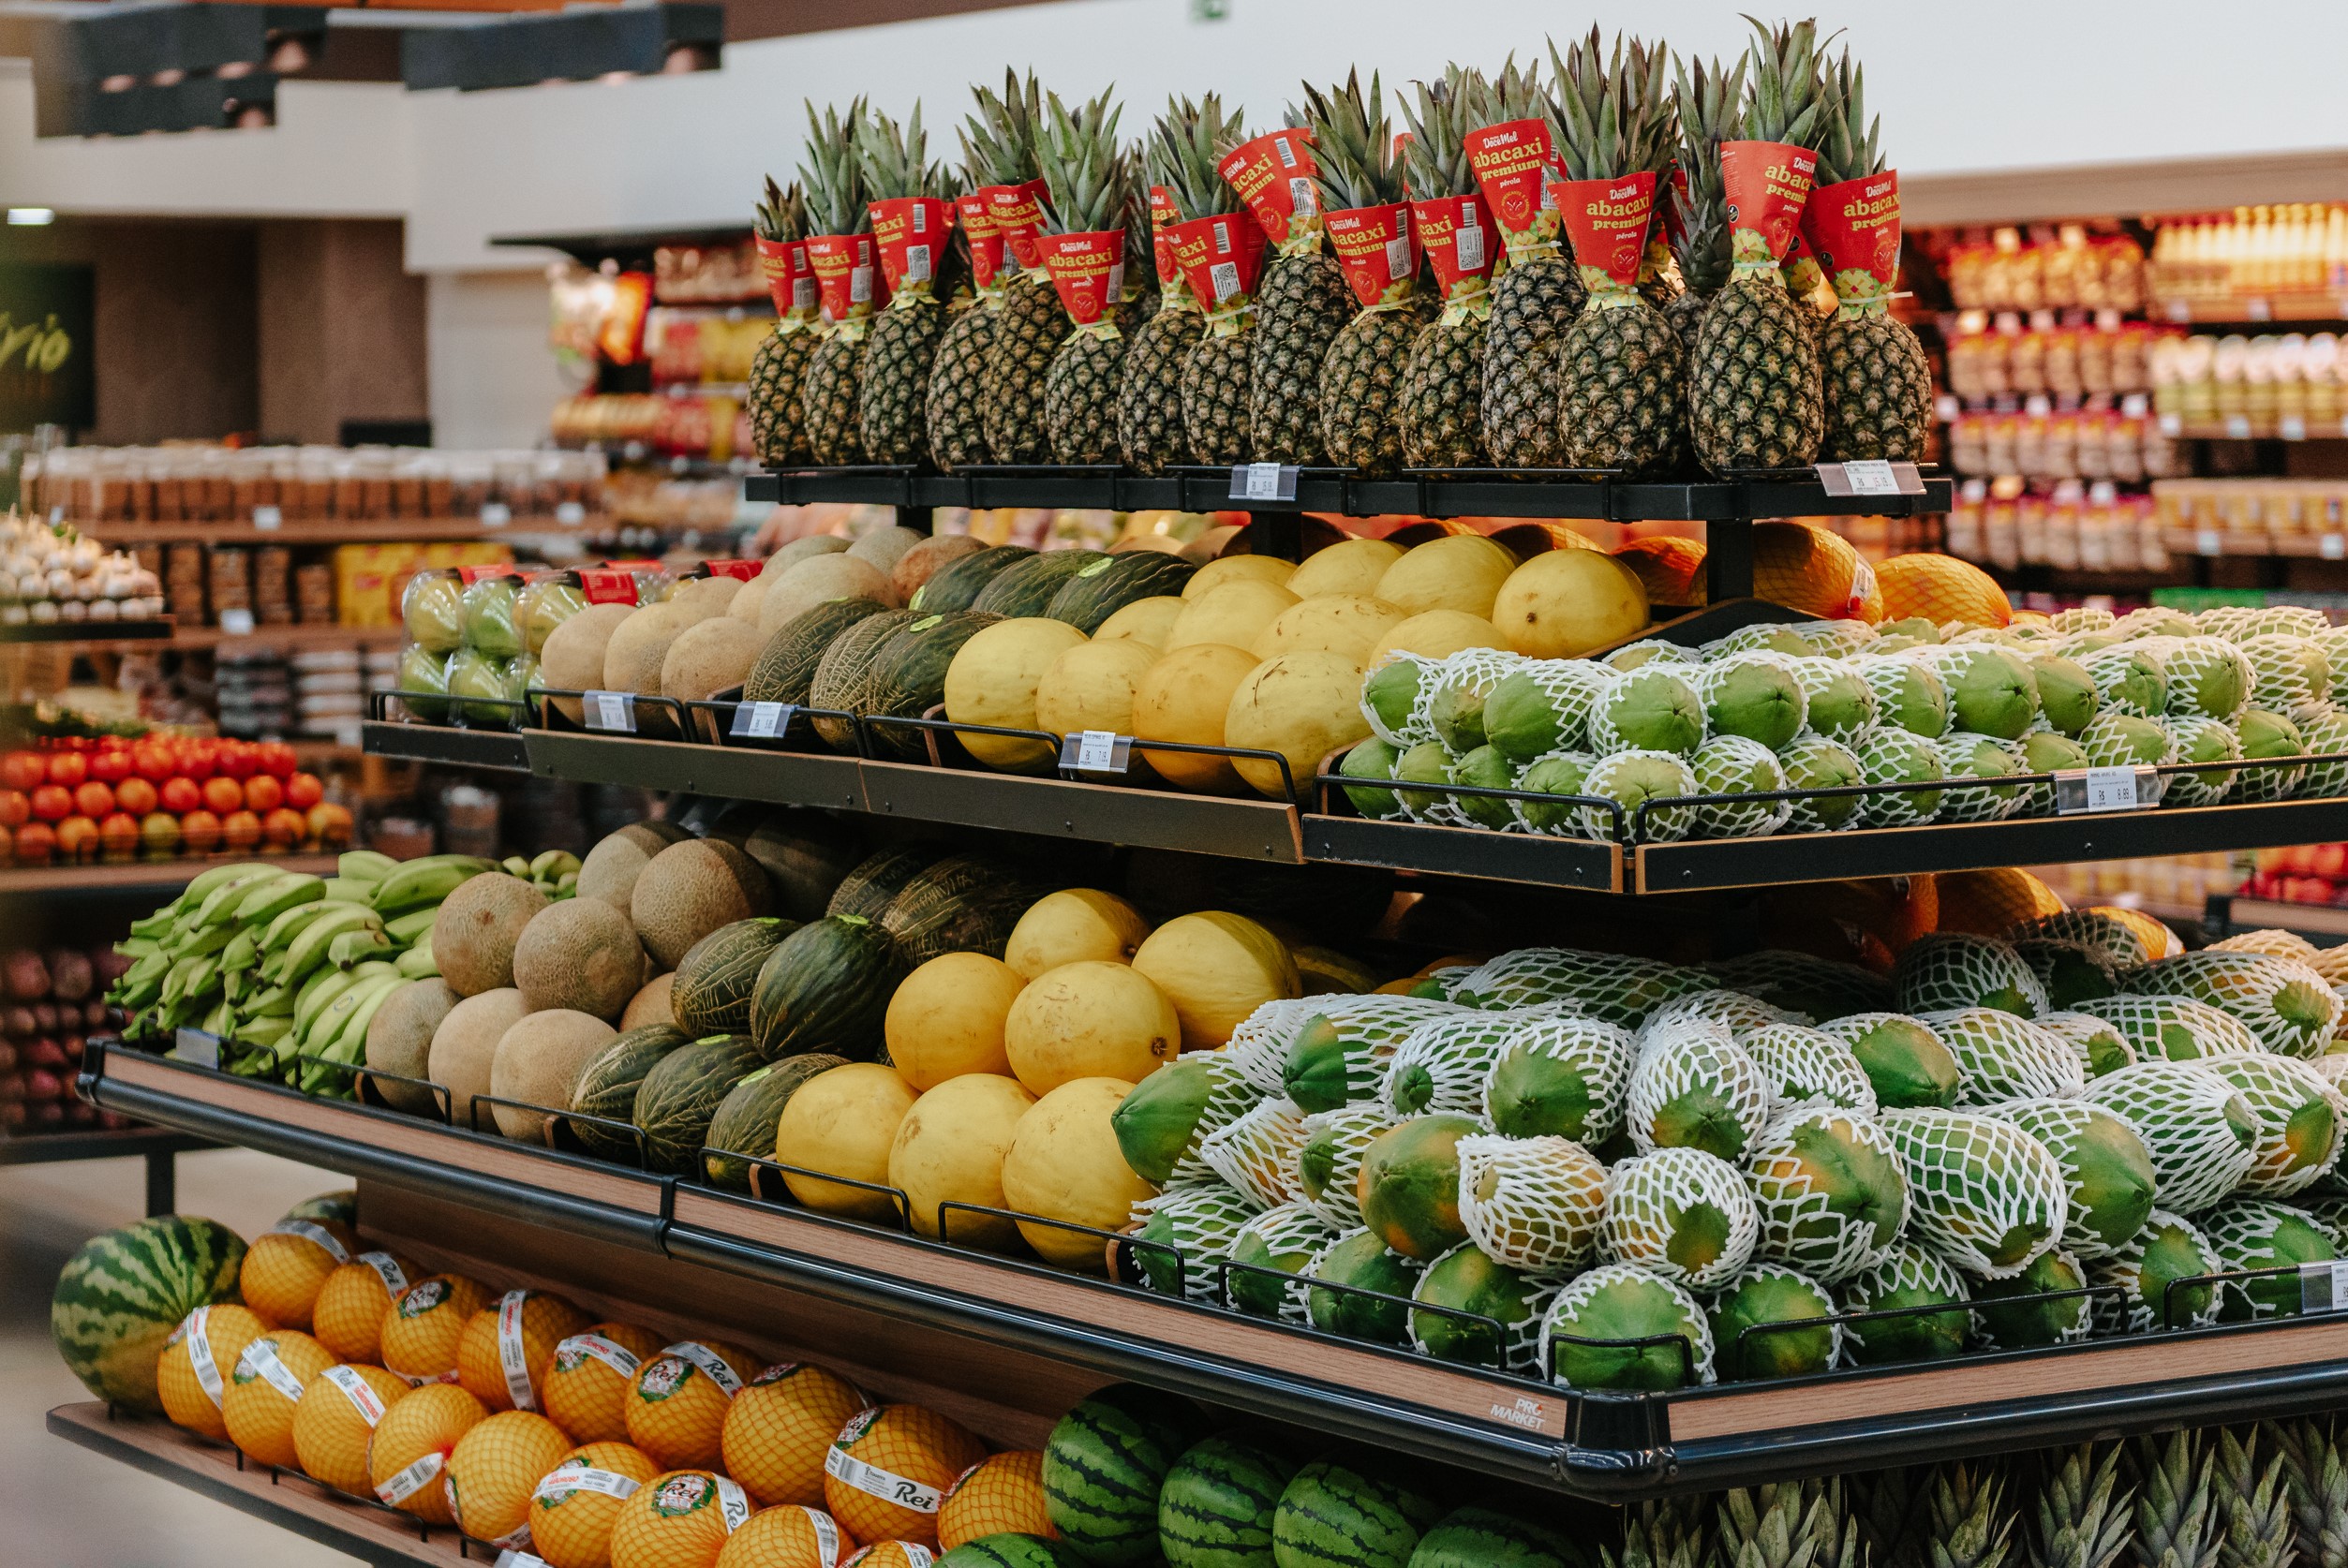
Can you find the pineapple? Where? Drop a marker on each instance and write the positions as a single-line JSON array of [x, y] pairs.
[[1180, 159], [777, 423], [1969, 1525], [892, 407], [956, 401], [1621, 369], [1708, 102], [2319, 1491], [1754, 399], [1218, 377], [830, 388], [1091, 189], [1030, 324], [1887, 1517], [1533, 301], [1768, 1527], [1878, 383], [2252, 1504], [2082, 1514], [1302, 305], [2178, 1524], [1665, 1533], [1441, 409], [1361, 380]]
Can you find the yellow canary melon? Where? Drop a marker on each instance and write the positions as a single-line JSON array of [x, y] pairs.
[[408, 1456], [1065, 1164], [1182, 698], [1434, 634], [1348, 624], [1002, 1493], [192, 1374], [1073, 923], [1303, 706], [507, 1347], [493, 1470], [1350, 566], [781, 1427], [992, 681], [287, 1265], [423, 1327], [572, 1509], [1810, 568], [677, 1406], [588, 1383], [794, 1538], [1145, 620], [945, 1018], [336, 1422], [1232, 569], [1090, 1019], [949, 1149], [680, 1518], [348, 1316], [909, 1442], [1091, 686], [1237, 613], [1564, 603], [1216, 967], [844, 1122], [1991, 902], [1670, 567], [264, 1389], [1460, 572], [1938, 588]]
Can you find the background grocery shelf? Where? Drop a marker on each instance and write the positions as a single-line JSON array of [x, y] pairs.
[[2307, 305], [162, 878], [387, 531], [153, 629]]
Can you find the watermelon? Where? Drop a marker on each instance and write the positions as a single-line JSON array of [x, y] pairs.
[[1349, 1513], [711, 991], [838, 680], [962, 904], [1028, 587], [1487, 1538], [342, 1206], [119, 1298], [1157, 1123], [1216, 1505], [744, 1128], [785, 669], [1410, 1186], [879, 877], [1104, 586], [1006, 1549], [824, 988], [1360, 1259], [1103, 1467], [608, 1088], [906, 676], [681, 1095], [961, 582]]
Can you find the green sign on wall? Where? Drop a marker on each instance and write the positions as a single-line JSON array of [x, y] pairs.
[[48, 347]]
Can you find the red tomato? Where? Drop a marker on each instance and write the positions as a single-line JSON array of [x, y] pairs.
[[53, 802], [180, 795], [112, 765], [154, 758], [304, 791], [283, 828], [240, 830], [199, 756], [238, 760], [7, 846], [16, 808], [93, 800], [118, 835], [276, 758], [263, 795], [330, 825], [35, 843], [200, 831], [68, 768], [23, 770], [223, 794], [159, 835], [76, 838], [136, 795]]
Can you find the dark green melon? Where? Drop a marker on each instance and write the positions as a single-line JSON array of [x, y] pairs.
[[119, 1298], [963, 904], [805, 855], [906, 676], [1487, 1538], [1104, 586], [681, 1094], [1005, 1550], [880, 876], [838, 683], [1358, 1514], [961, 582], [744, 1128], [1028, 587], [785, 669], [824, 988], [1215, 1507], [710, 993], [342, 1206], [1104, 1465], [610, 1084]]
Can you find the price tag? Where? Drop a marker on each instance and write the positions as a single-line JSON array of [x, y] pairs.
[[1870, 476], [1096, 752], [570, 514], [495, 514], [1945, 409], [1263, 481], [2136, 405], [2238, 427], [268, 518], [2207, 542], [2118, 789], [2172, 425], [237, 623], [2291, 428], [56, 514], [2258, 309], [761, 720], [2332, 547], [195, 1045], [611, 710], [2324, 1286], [2179, 310], [511, 1559]]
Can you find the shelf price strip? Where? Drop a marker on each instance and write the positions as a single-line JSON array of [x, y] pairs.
[[1096, 752], [761, 720], [611, 711], [2079, 791]]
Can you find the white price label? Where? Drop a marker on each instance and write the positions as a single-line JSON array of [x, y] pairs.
[[268, 518], [849, 1470], [2324, 1286], [2238, 427], [711, 1364], [577, 1475], [199, 1354], [1398, 257], [1469, 246], [2111, 788], [2332, 547], [237, 623], [388, 1270], [1225, 275], [1259, 481], [761, 720], [409, 1482], [2291, 428], [2172, 425], [2206, 541], [917, 260], [570, 514], [576, 1350], [309, 1231], [495, 514], [826, 1535], [611, 710], [514, 1358], [1871, 477], [511, 1559], [197, 1047], [859, 285], [363, 1398], [259, 1360]]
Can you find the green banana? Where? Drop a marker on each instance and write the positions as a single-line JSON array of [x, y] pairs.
[[242, 951], [514, 865], [342, 890], [426, 882], [327, 1023], [200, 941], [270, 1032], [316, 1001], [365, 865], [219, 905], [311, 947], [272, 899], [137, 947], [275, 1002], [414, 925], [567, 884], [289, 925], [221, 1021], [205, 882], [352, 946], [349, 1043], [192, 981], [417, 963], [552, 864]]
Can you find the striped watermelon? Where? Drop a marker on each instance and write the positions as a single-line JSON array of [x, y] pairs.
[[118, 1299], [1487, 1538], [1215, 1509], [1104, 1465], [1340, 1514], [1006, 1550]]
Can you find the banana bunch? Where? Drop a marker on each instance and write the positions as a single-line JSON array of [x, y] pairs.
[[289, 965], [554, 873]]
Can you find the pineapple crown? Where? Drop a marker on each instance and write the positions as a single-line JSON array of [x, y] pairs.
[[1515, 94], [1788, 99], [1708, 99], [832, 172], [999, 140], [1182, 151], [1851, 148], [1436, 154], [1616, 112], [1353, 144], [782, 215], [1087, 175], [2082, 1514], [889, 157]]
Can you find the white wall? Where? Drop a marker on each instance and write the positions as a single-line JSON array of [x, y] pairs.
[[491, 379]]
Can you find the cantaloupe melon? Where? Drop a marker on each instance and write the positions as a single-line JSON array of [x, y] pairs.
[[1145, 620], [1460, 571], [399, 1038], [748, 599], [1065, 1164], [1347, 624], [885, 547], [610, 867], [1350, 566], [1303, 706], [812, 583], [1565, 603], [691, 889], [1237, 613], [1075, 924], [1216, 967], [1090, 1019], [580, 954], [708, 657], [945, 1018], [993, 681], [1434, 634], [843, 1123], [950, 1148], [465, 1047], [539, 1060], [925, 560], [649, 1005], [1091, 686], [572, 658], [701, 598], [805, 548], [1183, 697], [474, 933], [1232, 569], [632, 659]]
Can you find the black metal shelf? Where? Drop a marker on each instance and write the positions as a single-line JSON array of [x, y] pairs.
[[152, 629], [47, 1149], [501, 750]]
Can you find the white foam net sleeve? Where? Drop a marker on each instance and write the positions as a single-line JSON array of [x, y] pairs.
[[2287, 672], [1259, 1048], [1836, 639], [1562, 1318], [2285, 620], [1370, 1029], [1658, 824], [1328, 1160], [2007, 1058], [1232, 1096], [1520, 1344], [2208, 677], [1288, 1230], [1476, 669], [1835, 684], [2171, 1028], [2301, 1118], [1443, 1064], [1697, 1071], [2129, 678], [1891, 756], [1614, 986], [1201, 1223], [1257, 1153], [2241, 1232], [2071, 1130], [1982, 1193], [2289, 1007], [1571, 686], [2110, 743], [1961, 752], [1597, 1053], [2091, 1039], [1725, 1348], [1682, 1213], [1907, 1267], [1945, 970], [1804, 1064], [2325, 731], [1738, 764], [1816, 1215], [1894, 677], [1655, 680], [1533, 1203], [1738, 1010], [1416, 726], [2081, 618], [2201, 1134]]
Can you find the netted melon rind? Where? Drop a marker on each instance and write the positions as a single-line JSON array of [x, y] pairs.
[[2182, 1115], [1649, 1197], [1534, 1203], [1981, 1192]]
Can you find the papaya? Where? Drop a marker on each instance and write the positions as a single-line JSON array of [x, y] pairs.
[[1409, 1186]]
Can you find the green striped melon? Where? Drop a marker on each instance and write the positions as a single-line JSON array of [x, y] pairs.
[[342, 1206], [1487, 1538], [1337, 1513], [1005, 1550], [906, 677], [866, 890], [958, 585], [119, 1298], [609, 1086], [786, 666], [824, 988], [681, 1094], [1104, 586], [1029, 586], [838, 683], [711, 992], [965, 903], [1103, 1467], [744, 1128], [1215, 1508]]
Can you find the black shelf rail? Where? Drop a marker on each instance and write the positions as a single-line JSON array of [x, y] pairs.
[[153, 628]]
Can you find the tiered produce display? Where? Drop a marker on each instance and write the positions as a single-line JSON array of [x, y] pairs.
[[159, 797]]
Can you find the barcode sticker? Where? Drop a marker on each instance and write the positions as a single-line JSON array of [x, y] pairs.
[[577, 1475], [761, 720], [1225, 277], [364, 1400], [1283, 151], [1398, 257], [859, 285], [2324, 1286], [388, 1270], [710, 1361], [259, 1360], [1095, 750], [849, 1470], [827, 1534], [571, 1352], [1303, 196], [199, 1353], [268, 518], [1469, 246], [611, 710], [917, 257], [309, 1231], [513, 1355], [398, 1488], [1263, 481]]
